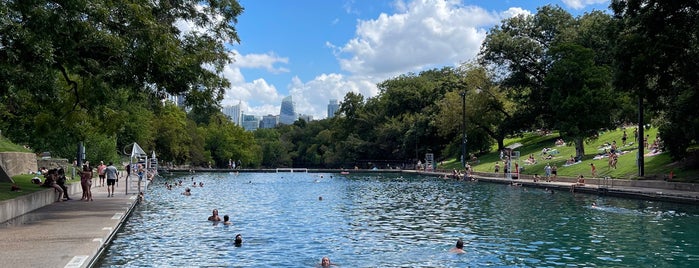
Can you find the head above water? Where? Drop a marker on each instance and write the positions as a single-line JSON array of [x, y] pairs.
[[460, 244], [238, 240]]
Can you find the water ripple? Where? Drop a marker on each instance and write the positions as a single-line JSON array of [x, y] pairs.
[[396, 221]]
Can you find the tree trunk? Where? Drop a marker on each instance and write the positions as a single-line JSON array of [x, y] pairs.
[[579, 148]]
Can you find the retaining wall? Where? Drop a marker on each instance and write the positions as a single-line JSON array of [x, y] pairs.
[[15, 163], [12, 208]]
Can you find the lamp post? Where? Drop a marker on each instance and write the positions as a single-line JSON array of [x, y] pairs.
[[463, 128]]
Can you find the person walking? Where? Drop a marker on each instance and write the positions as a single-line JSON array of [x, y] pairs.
[[100, 173], [593, 170], [112, 175]]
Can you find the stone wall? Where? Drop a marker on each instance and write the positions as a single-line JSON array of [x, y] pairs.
[[12, 208], [53, 163], [15, 163]]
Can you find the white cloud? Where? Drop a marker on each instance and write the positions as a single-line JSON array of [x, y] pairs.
[[580, 4], [422, 34], [514, 11], [312, 97], [266, 61], [427, 34]]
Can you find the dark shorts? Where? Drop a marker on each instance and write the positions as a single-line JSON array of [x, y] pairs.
[[110, 182], [101, 176], [554, 172]]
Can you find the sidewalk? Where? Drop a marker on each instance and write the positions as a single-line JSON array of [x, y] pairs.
[[677, 192], [66, 234]]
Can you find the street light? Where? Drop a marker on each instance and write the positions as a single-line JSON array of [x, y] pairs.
[[463, 128]]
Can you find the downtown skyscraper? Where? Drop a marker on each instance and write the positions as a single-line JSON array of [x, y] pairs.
[[287, 113]]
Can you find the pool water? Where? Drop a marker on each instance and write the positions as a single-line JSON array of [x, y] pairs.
[[396, 220]]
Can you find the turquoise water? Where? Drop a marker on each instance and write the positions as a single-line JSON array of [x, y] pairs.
[[397, 220]]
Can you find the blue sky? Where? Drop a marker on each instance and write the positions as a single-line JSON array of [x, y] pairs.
[[317, 50]]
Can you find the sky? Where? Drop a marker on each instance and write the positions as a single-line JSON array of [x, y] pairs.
[[318, 50]]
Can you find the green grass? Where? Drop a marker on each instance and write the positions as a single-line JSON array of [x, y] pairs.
[[7, 146], [24, 183], [658, 166]]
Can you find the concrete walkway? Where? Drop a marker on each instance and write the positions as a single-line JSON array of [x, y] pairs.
[[655, 190], [65, 234]]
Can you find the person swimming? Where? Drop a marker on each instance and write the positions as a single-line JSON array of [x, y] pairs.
[[325, 262], [459, 248], [214, 216], [226, 220], [187, 191], [238, 240]]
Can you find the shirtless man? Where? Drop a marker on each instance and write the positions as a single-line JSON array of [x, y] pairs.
[[214, 216], [459, 248]]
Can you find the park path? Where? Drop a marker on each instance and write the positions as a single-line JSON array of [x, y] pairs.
[[66, 234]]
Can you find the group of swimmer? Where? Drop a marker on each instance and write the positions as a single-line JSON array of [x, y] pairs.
[[187, 190], [226, 221]]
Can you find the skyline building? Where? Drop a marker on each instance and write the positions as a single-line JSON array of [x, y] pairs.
[[235, 113], [306, 117], [269, 121], [333, 106], [250, 122], [287, 112]]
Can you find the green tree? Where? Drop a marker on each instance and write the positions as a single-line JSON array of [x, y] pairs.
[[172, 142], [520, 46], [581, 93], [274, 151], [655, 60], [87, 65]]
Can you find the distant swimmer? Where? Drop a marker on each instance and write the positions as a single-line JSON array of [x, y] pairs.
[[459, 248], [325, 262], [238, 240], [226, 220], [214, 216], [187, 191]]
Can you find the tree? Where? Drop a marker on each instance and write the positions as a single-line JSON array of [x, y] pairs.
[[655, 60], [82, 61], [581, 93], [274, 152], [488, 111], [172, 141], [518, 50]]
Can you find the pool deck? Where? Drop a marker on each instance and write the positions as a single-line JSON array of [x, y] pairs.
[[65, 234], [75, 233]]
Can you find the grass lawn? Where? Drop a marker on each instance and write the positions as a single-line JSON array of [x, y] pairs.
[[7, 146], [658, 166], [24, 183]]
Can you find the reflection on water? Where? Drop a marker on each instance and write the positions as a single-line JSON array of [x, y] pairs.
[[396, 220]]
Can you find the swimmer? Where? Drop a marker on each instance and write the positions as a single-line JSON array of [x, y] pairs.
[[238, 240], [459, 248], [325, 262], [187, 191], [320, 198], [226, 220], [214, 216], [201, 184]]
